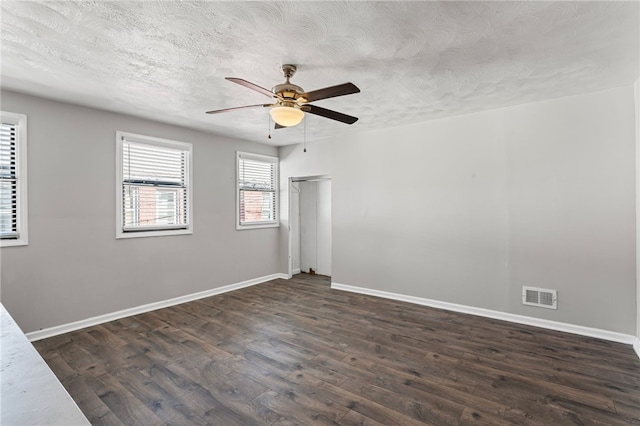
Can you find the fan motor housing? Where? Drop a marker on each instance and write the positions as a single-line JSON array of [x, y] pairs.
[[287, 90]]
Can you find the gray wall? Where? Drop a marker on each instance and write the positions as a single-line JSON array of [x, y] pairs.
[[73, 267], [571, 192], [469, 209], [637, 99]]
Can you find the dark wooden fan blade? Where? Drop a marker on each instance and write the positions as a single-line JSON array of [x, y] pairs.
[[277, 126], [251, 86], [331, 92], [327, 113], [217, 111]]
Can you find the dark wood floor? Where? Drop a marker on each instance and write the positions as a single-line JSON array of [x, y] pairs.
[[295, 352]]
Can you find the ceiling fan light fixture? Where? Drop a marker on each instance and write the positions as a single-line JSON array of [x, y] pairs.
[[286, 116], [290, 102]]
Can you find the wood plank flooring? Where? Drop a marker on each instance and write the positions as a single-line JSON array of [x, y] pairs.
[[295, 352]]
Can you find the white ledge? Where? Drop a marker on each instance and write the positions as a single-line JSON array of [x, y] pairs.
[[30, 393]]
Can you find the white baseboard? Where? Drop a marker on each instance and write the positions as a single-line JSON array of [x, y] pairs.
[[296, 271], [504, 316], [76, 325], [636, 346]]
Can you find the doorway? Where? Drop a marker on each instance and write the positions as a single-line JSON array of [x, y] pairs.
[[310, 232]]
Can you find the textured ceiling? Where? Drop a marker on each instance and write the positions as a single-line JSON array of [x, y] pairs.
[[413, 61]]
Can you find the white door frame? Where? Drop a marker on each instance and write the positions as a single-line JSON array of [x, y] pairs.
[[291, 181]]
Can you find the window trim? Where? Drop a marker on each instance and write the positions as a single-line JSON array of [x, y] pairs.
[[258, 157], [21, 179], [150, 140]]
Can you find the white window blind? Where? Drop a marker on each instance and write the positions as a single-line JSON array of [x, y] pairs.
[[9, 181], [257, 190], [155, 193], [13, 179]]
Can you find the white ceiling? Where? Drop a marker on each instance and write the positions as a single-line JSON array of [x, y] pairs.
[[413, 61]]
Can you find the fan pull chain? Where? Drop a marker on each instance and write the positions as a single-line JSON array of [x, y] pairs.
[[305, 136], [269, 125]]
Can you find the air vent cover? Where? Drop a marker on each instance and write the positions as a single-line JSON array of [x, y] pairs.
[[540, 297]]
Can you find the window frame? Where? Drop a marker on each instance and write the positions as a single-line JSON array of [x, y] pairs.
[[267, 159], [20, 121], [121, 137]]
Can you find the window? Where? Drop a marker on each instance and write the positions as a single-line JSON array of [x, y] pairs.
[[13, 179], [153, 186], [257, 191]]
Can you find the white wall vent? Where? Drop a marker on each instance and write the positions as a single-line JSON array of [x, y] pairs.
[[540, 297]]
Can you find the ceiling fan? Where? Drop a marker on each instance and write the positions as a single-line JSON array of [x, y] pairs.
[[291, 101]]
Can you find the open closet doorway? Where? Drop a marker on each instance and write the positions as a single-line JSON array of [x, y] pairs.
[[310, 232]]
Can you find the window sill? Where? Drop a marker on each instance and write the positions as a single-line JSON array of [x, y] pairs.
[[257, 226], [144, 234], [14, 243]]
